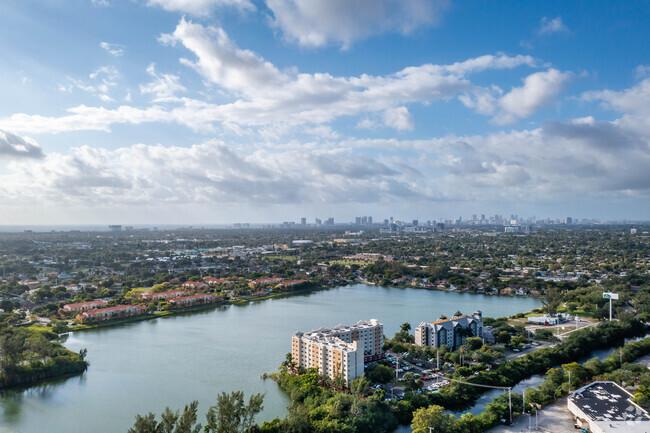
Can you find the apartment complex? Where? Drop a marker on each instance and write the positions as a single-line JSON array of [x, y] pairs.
[[450, 332], [84, 306], [164, 295], [341, 350], [190, 301], [111, 313]]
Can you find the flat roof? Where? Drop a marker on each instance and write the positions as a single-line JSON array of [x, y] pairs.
[[607, 402]]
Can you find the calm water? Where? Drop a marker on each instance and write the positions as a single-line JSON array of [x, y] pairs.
[[145, 366]]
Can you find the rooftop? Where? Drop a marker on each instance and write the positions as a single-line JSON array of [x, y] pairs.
[[607, 402]]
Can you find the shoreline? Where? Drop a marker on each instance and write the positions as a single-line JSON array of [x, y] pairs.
[[271, 295]]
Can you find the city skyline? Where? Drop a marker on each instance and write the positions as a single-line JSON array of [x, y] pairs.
[[216, 111]]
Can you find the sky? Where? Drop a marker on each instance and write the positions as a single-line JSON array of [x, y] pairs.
[[261, 111]]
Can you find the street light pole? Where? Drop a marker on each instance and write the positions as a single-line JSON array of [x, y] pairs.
[[523, 407], [569, 382]]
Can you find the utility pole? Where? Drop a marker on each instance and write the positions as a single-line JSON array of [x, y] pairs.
[[620, 354], [569, 382], [430, 429], [523, 407], [438, 359], [510, 403]]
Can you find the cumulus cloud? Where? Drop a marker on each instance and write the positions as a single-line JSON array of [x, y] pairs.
[[163, 87], [264, 95], [539, 90], [15, 146], [212, 172], [584, 158], [315, 23], [633, 100], [398, 118], [201, 7], [555, 25], [115, 50]]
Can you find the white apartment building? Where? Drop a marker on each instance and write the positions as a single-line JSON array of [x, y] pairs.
[[339, 350], [450, 332]]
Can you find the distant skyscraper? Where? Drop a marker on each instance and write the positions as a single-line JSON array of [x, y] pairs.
[[369, 220], [415, 223], [569, 220], [317, 221], [357, 220], [303, 221]]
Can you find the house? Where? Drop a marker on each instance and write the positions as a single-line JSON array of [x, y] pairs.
[[194, 285], [83, 306], [111, 313], [163, 295], [216, 281], [190, 301]]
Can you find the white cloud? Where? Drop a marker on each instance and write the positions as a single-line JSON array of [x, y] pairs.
[[323, 131], [398, 118], [633, 100], [549, 26], [201, 7], [581, 158], [264, 95], [539, 90], [163, 87], [315, 23], [208, 173], [15, 146], [103, 79], [115, 50], [103, 3], [642, 71]]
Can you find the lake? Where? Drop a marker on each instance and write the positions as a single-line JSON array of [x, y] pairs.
[[144, 366]]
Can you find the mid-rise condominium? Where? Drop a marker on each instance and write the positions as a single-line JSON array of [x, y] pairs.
[[450, 332], [341, 350]]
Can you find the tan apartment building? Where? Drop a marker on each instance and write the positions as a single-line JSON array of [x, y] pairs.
[[84, 306], [341, 350]]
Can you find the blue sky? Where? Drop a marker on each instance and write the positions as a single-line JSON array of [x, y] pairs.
[[215, 111]]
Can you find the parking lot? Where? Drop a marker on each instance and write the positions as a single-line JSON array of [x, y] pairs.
[[432, 381]]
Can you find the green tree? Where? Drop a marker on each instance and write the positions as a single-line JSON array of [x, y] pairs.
[[231, 414], [405, 327], [380, 373], [552, 300], [433, 416]]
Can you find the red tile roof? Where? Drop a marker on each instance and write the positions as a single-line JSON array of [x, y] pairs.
[[85, 304]]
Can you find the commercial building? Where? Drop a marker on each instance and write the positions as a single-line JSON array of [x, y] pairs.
[[341, 350], [450, 332], [605, 407]]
